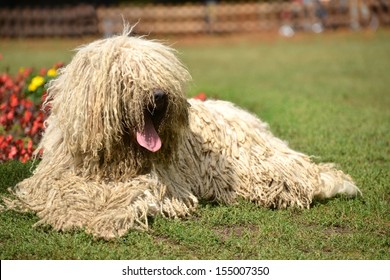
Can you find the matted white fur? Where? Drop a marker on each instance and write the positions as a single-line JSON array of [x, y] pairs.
[[123, 144]]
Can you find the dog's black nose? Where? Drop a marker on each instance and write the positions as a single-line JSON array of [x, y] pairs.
[[159, 96]]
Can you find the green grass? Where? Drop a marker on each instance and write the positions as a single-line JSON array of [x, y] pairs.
[[327, 95]]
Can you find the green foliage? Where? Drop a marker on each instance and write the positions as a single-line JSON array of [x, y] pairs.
[[327, 95]]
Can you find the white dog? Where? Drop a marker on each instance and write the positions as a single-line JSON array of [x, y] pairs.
[[123, 143]]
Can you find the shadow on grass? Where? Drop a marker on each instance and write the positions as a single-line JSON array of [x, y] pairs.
[[339, 197], [12, 172]]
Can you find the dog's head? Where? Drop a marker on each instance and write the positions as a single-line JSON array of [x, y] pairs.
[[120, 104]]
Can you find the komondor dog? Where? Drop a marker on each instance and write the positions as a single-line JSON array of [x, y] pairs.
[[123, 143]]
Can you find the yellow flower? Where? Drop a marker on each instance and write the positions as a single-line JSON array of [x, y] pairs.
[[36, 82], [52, 72]]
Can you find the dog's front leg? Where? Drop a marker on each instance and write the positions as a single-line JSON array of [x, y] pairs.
[[131, 203], [127, 205]]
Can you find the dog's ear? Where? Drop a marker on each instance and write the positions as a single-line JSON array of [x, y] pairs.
[[85, 99]]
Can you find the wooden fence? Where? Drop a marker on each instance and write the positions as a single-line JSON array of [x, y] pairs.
[[242, 17], [192, 19], [37, 22]]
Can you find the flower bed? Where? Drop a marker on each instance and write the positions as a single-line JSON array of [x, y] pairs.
[[21, 113]]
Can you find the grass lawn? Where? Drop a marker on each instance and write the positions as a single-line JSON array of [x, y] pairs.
[[328, 95]]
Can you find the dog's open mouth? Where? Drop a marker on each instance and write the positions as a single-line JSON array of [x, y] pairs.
[[149, 138], [153, 115]]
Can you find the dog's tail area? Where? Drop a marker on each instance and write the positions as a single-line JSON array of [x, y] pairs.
[[334, 182]]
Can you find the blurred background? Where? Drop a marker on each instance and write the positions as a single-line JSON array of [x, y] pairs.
[[23, 18]]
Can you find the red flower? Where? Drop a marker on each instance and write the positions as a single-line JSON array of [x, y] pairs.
[[12, 153], [2, 141], [30, 146], [43, 72], [13, 100], [27, 116], [3, 78], [58, 65], [201, 96], [26, 103], [10, 115], [9, 84]]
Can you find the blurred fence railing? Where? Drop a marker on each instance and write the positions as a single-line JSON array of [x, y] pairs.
[[194, 18], [45, 21]]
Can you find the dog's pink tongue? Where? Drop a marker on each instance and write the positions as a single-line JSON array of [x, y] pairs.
[[148, 138]]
